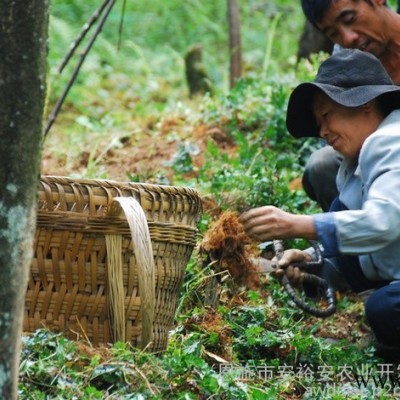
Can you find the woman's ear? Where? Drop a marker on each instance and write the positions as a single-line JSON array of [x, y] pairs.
[[379, 2]]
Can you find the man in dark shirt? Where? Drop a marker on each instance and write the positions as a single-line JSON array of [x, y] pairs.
[[368, 25]]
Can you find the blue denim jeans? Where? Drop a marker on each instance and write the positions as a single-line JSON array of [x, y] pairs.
[[382, 310]]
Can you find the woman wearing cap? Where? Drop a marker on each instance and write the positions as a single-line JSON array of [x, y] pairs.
[[354, 105]]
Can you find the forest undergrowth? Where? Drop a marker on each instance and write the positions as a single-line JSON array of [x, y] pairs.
[[129, 117]]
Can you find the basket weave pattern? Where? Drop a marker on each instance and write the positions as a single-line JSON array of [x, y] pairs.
[[68, 287]]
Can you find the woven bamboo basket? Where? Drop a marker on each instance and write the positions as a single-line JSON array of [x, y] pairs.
[[109, 259]]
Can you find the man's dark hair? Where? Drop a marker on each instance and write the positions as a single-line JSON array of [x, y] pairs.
[[314, 10]]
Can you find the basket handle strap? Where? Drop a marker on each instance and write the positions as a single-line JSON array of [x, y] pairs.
[[144, 260]]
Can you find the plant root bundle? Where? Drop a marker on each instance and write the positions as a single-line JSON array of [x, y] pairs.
[[227, 245]]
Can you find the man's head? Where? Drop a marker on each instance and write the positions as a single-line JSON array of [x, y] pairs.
[[357, 24], [314, 10], [351, 79]]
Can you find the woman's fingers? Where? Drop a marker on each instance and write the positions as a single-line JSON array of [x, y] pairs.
[[294, 275], [286, 265], [291, 256]]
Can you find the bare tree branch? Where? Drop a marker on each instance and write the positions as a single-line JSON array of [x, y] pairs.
[[75, 72], [82, 35], [121, 24]]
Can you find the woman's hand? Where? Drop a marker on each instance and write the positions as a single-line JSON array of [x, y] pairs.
[[285, 265], [269, 222]]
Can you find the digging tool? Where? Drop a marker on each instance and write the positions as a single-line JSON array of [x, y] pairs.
[[328, 293]]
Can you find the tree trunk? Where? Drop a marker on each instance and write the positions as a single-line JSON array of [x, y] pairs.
[[23, 53], [235, 48]]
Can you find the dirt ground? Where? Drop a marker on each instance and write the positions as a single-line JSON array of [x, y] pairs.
[[143, 156]]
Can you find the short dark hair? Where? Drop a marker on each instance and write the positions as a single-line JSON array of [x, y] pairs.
[[314, 10]]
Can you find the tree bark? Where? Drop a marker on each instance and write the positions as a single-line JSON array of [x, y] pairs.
[[23, 53], [235, 47]]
